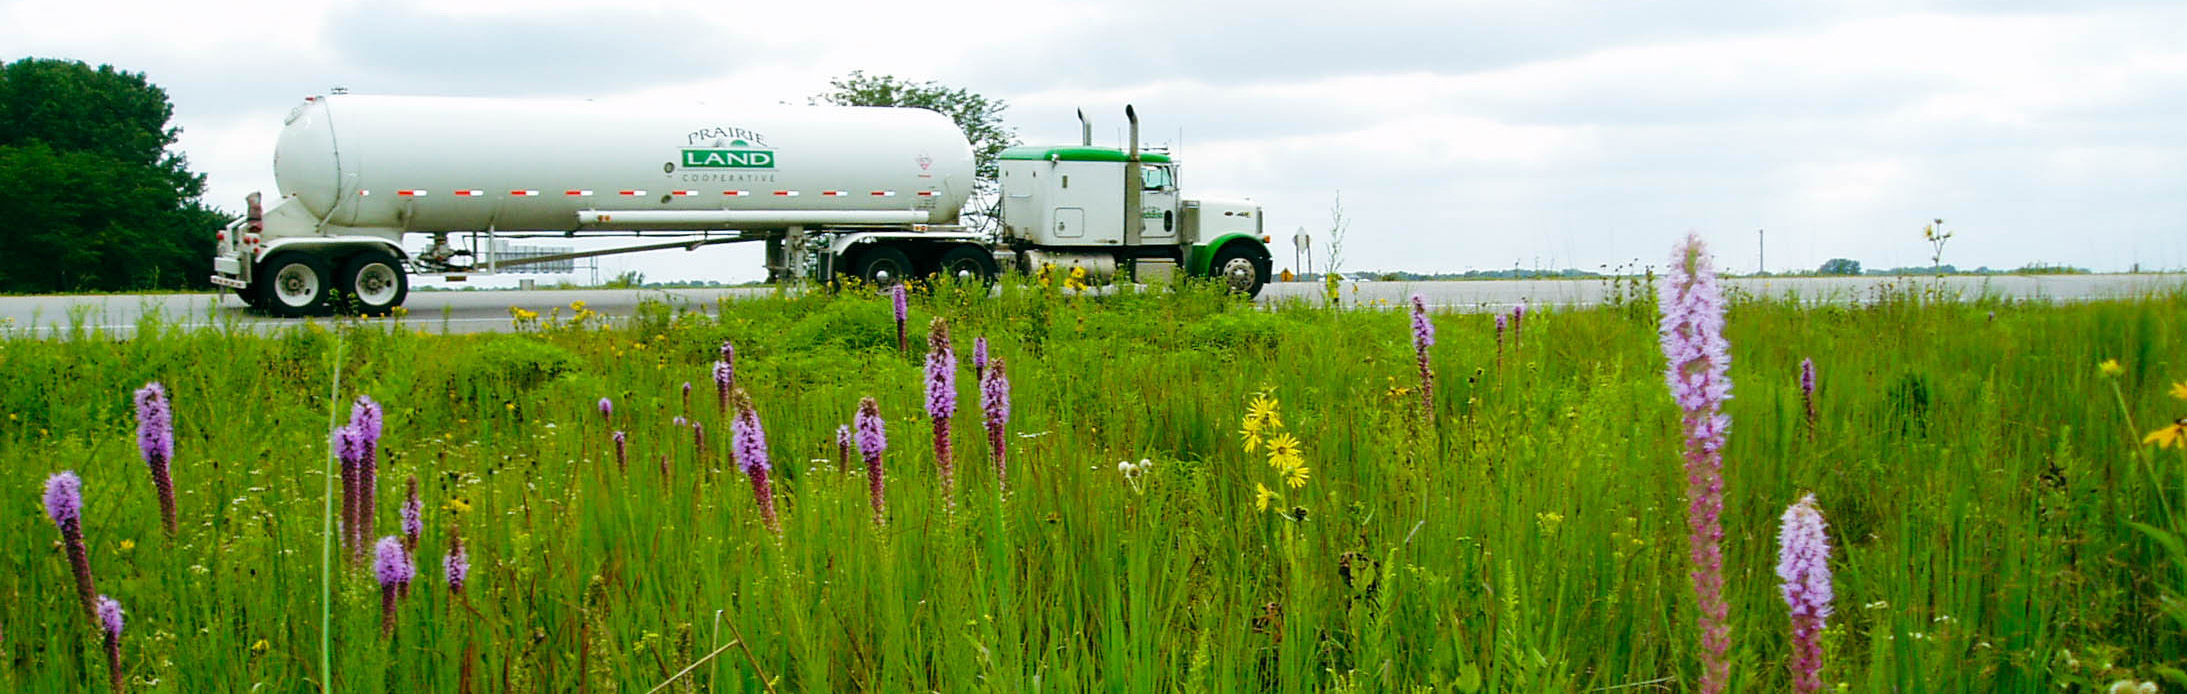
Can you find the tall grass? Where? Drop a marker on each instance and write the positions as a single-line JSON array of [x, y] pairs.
[[1979, 476]]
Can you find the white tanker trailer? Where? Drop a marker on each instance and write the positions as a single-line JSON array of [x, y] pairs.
[[873, 193]]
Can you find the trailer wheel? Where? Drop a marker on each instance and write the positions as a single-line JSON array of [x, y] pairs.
[[968, 263], [294, 284], [882, 266], [375, 281], [1238, 268]]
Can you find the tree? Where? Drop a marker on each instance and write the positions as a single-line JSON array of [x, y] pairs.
[[979, 117], [1839, 266], [95, 201]]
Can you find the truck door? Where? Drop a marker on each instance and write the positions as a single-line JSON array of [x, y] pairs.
[[1158, 204]]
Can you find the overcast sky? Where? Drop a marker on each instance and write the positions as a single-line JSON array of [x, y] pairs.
[[1463, 135]]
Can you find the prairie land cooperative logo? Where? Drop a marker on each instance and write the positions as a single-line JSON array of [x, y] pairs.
[[727, 148]]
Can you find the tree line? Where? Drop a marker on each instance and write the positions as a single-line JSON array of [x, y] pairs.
[[91, 198]]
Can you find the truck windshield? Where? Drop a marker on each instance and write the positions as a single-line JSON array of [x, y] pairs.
[[1156, 177]]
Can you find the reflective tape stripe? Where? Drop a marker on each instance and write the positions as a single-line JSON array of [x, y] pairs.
[[411, 193], [686, 193], [364, 193], [469, 193], [884, 193], [834, 193], [524, 193], [575, 193], [633, 193], [786, 193], [737, 193], [928, 193]]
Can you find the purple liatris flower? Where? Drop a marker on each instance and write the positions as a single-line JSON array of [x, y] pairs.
[[110, 616], [1803, 563], [686, 398], [457, 565], [347, 449], [872, 441], [391, 565], [725, 381], [1500, 321], [65, 505], [110, 622], [1692, 332], [607, 409], [1807, 392], [941, 402], [979, 359], [413, 518], [1518, 314], [622, 452], [995, 403], [843, 447], [156, 438], [1423, 337], [750, 443], [64, 498], [903, 311], [364, 420]]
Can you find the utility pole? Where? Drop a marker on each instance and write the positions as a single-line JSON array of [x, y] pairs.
[[1761, 252]]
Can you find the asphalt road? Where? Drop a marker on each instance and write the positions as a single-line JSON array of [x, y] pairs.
[[480, 311]]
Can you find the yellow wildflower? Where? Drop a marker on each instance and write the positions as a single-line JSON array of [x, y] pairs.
[[2179, 390], [456, 506], [1263, 410], [2110, 367], [2169, 436], [127, 545], [1283, 451], [260, 647], [1251, 435], [1296, 476], [1262, 497]]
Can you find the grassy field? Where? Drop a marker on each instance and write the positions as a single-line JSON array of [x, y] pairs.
[[1981, 476]]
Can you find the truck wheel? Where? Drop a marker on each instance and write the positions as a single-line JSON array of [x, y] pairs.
[[968, 263], [294, 284], [375, 280], [882, 266], [1238, 269]]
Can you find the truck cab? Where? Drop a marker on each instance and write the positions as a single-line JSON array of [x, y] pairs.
[[1109, 210]]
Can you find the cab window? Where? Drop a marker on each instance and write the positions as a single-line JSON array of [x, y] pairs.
[[1157, 177]]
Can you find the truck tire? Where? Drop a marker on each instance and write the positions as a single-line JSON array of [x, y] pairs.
[[1240, 269], [967, 259], [374, 280], [882, 266], [294, 284]]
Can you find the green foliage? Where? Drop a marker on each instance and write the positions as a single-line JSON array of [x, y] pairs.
[[95, 200], [1997, 524], [1839, 266]]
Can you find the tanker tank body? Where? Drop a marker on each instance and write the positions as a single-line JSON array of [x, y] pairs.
[[357, 173]]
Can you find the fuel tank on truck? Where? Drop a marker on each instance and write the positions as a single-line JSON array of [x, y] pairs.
[[381, 164]]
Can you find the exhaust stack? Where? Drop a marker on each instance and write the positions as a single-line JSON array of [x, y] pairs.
[[1085, 128], [1134, 225]]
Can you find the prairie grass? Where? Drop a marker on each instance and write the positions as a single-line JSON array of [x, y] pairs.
[[1980, 478]]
